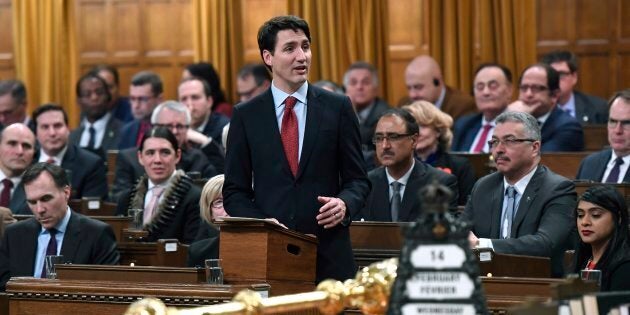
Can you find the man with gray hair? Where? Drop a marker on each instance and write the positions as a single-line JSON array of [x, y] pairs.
[[524, 208], [13, 104], [176, 117]]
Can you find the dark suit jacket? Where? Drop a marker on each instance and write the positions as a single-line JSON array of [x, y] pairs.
[[457, 103], [561, 132], [544, 224], [110, 141], [369, 124], [463, 171], [594, 165], [464, 132], [214, 127], [378, 206], [590, 109], [122, 110], [205, 246], [86, 241], [130, 134], [129, 170], [17, 204], [330, 165], [86, 170]]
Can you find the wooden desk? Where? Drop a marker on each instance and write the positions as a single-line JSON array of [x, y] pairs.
[[564, 163], [502, 292], [168, 252]]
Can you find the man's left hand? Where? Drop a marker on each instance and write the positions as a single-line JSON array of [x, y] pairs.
[[332, 212]]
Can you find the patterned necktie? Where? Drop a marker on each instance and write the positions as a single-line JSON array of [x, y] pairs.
[[506, 226], [5, 196], [92, 138], [482, 139], [144, 126], [149, 209], [613, 177], [50, 161], [395, 203], [289, 134], [51, 249]]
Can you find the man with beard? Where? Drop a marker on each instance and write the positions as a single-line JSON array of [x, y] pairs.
[[524, 208]]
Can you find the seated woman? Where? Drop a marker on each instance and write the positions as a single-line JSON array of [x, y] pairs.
[[206, 244], [602, 222], [434, 140], [169, 198]]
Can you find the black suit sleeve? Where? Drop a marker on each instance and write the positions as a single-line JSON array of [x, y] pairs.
[[124, 178], [5, 272], [95, 183], [105, 249]]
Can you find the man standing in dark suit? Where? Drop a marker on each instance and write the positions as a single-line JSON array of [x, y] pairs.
[[493, 93], [85, 169], [587, 109], [99, 129], [611, 165], [54, 230], [538, 96], [396, 184], [17, 147], [524, 208], [145, 94], [294, 153]]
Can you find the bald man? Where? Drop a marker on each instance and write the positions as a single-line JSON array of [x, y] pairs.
[[424, 81], [17, 147]]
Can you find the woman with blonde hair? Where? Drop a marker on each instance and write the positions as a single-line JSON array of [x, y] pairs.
[[433, 142], [206, 244]]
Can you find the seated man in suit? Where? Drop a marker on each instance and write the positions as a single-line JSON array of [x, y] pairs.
[[118, 105], [99, 130], [54, 230], [587, 109], [538, 96], [524, 208], [169, 198], [176, 117], [85, 169], [424, 81], [145, 93], [493, 93], [611, 165], [17, 147], [13, 104], [251, 80], [395, 185]]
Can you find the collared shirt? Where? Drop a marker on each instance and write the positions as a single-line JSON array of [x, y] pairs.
[[100, 126], [623, 168], [365, 113], [44, 238], [203, 124], [569, 106], [520, 187], [151, 185], [16, 181], [440, 99], [43, 157], [485, 148], [402, 180], [300, 109], [542, 119]]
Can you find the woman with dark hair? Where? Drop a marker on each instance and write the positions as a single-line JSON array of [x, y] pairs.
[[168, 197], [207, 72], [602, 223]]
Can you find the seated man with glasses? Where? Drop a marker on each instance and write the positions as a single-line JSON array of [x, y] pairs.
[[538, 95], [145, 93], [174, 116], [395, 185], [524, 208], [611, 165]]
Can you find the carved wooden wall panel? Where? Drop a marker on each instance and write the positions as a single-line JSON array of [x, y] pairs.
[[7, 62]]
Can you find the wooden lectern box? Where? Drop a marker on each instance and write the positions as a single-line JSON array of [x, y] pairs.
[[257, 250]]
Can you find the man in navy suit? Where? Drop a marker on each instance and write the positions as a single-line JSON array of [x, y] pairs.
[[538, 96], [587, 109], [13, 103], [54, 229], [493, 93], [600, 166], [17, 147], [205, 125], [294, 153], [145, 94], [396, 184], [85, 169]]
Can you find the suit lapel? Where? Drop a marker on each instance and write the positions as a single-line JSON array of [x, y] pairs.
[[528, 198], [18, 200], [267, 121], [600, 168], [29, 248], [411, 191], [496, 207], [380, 199], [109, 138], [71, 238], [313, 118]]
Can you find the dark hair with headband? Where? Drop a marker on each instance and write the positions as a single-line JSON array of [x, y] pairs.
[[618, 249]]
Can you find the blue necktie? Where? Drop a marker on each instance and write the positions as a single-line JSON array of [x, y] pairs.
[[50, 250], [508, 216], [92, 138], [613, 177], [395, 203]]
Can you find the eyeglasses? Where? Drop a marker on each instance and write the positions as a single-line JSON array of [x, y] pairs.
[[613, 123], [140, 99], [391, 137], [178, 127], [508, 142], [535, 88], [217, 203], [563, 74]]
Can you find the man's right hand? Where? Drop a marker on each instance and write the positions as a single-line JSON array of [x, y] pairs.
[[6, 215]]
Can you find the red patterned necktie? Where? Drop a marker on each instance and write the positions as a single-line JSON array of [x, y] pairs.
[[5, 196], [289, 134], [482, 139]]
